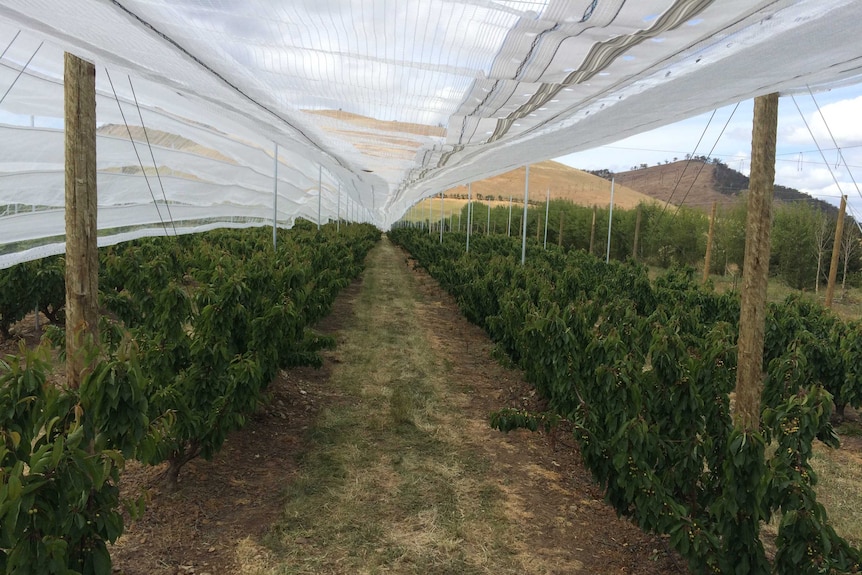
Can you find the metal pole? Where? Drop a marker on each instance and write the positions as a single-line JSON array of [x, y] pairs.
[[488, 227], [275, 200], [547, 206], [338, 215], [442, 217], [509, 227], [526, 199], [469, 213], [319, 192], [430, 205], [610, 222]]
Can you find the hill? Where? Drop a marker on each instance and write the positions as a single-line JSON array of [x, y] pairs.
[[564, 182], [700, 182]]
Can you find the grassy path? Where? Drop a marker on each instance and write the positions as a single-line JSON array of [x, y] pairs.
[[388, 485], [401, 473]]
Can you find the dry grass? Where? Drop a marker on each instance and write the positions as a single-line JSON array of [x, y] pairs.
[[382, 487], [563, 181], [839, 489]]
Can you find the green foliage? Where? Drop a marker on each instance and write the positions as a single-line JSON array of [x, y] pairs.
[[58, 498], [39, 284], [644, 372], [214, 316], [196, 328]]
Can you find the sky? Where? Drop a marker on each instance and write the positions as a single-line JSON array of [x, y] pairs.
[[799, 163]]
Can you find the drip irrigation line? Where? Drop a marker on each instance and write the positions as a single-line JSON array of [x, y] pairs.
[[140, 162], [152, 155]]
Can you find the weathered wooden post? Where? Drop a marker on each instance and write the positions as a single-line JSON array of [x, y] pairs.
[[707, 260], [836, 250], [82, 256], [752, 317]]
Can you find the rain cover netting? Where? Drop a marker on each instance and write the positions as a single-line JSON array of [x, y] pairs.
[[373, 104]]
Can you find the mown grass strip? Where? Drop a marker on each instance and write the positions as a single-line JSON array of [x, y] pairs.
[[385, 485]]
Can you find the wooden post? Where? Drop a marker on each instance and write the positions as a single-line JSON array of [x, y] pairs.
[[593, 232], [836, 250], [637, 233], [82, 256], [752, 317], [707, 260]]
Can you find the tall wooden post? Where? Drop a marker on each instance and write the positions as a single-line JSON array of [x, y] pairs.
[[752, 317], [82, 257], [707, 260], [836, 250], [637, 234], [593, 231]]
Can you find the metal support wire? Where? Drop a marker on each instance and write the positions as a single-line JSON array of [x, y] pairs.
[[21, 71], [822, 155], [840, 153], [135, 147], [152, 155]]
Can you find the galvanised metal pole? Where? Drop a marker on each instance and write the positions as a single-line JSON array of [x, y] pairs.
[[509, 227], [547, 206], [338, 215], [442, 217], [526, 199], [488, 225], [319, 192], [275, 200], [469, 213], [610, 222]]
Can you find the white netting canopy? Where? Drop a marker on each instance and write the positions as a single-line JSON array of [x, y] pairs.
[[373, 104]]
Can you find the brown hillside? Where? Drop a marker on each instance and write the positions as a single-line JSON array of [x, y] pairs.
[[564, 182], [691, 186]]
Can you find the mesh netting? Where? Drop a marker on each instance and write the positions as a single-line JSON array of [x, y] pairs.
[[374, 104]]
